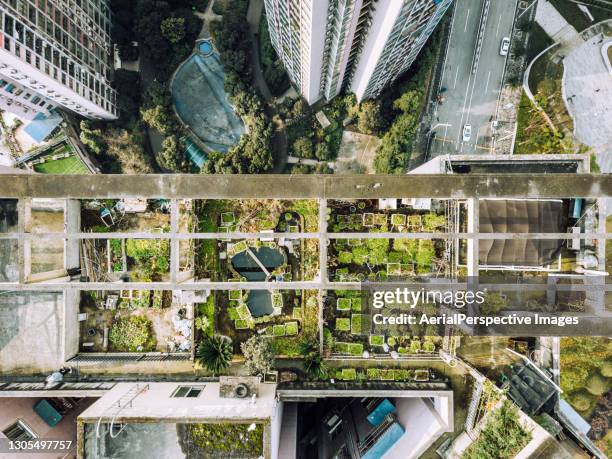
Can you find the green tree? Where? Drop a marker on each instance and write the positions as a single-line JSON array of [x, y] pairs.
[[173, 29], [322, 152], [313, 362], [215, 353], [171, 155], [159, 117], [302, 148], [369, 118]]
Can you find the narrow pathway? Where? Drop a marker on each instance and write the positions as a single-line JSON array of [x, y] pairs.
[[259, 263]]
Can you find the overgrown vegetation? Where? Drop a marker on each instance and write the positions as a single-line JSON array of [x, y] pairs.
[[534, 135], [586, 371], [228, 440], [132, 334], [402, 105], [502, 437], [272, 67]]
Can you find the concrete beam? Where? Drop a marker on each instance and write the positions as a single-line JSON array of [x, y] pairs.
[[306, 186]]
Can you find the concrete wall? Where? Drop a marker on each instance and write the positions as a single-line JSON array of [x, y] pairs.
[[277, 422], [70, 329]]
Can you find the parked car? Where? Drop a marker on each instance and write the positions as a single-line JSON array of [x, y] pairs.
[[505, 46], [467, 132]]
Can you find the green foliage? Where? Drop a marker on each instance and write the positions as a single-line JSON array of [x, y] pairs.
[[273, 69], [502, 437], [131, 334], [369, 118], [343, 324], [597, 385], [227, 440], [173, 29], [302, 148], [215, 353], [377, 340]]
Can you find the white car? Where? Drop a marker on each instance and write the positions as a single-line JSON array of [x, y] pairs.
[[505, 46], [467, 132]]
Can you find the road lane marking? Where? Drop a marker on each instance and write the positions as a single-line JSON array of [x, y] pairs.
[[456, 75], [466, 20], [487, 85], [498, 23]]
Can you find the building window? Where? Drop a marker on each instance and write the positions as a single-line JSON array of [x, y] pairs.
[[188, 391], [19, 431]]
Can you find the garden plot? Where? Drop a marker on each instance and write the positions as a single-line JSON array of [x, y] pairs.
[[389, 215], [134, 321], [349, 331], [357, 260], [125, 215], [287, 318], [256, 215], [136, 260]]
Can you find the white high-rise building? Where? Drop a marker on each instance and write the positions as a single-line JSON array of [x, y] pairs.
[[358, 45], [56, 53]]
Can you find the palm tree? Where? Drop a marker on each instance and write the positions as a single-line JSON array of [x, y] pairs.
[[215, 353], [314, 365]]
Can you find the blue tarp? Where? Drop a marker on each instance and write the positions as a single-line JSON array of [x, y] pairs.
[[385, 442], [43, 125], [48, 413], [576, 420], [194, 153], [377, 416]]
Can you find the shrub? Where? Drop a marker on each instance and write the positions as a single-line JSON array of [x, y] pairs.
[[348, 374], [343, 324], [597, 385], [343, 304], [345, 258], [429, 346], [241, 324], [415, 346], [581, 401], [373, 373], [278, 330], [131, 334], [215, 353], [391, 341], [377, 340], [291, 328], [356, 304], [357, 324]]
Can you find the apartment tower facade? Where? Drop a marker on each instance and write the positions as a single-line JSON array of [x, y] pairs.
[[56, 53], [358, 45]]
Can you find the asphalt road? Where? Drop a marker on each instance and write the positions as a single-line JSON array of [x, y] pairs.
[[471, 98]]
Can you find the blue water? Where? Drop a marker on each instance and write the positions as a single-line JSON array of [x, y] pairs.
[[205, 47], [200, 100], [248, 268], [259, 303]]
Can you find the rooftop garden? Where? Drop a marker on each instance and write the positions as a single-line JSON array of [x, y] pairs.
[[503, 436], [586, 379], [227, 440], [133, 321], [381, 259], [349, 331], [125, 215], [292, 316], [392, 215], [409, 375]]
